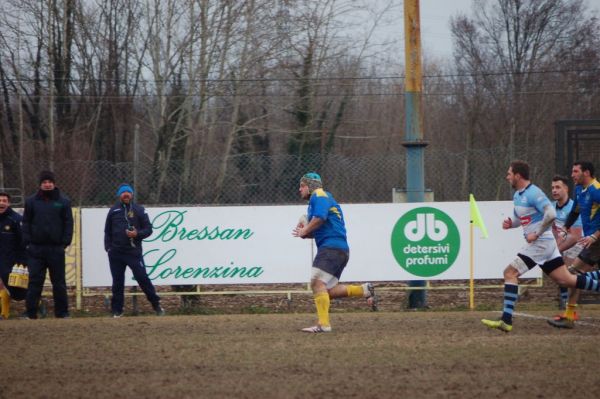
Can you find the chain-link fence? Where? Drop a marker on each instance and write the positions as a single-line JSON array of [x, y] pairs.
[[261, 179]]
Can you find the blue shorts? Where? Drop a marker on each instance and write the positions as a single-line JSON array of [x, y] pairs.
[[331, 261]]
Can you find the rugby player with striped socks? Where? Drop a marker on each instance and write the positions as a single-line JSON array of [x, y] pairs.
[[587, 207], [534, 212], [566, 240]]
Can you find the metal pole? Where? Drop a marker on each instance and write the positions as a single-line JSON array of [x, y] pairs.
[[51, 83], [20, 99], [78, 266], [136, 156], [413, 133], [136, 160]]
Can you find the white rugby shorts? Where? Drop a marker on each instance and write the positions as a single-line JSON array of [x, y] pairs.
[[540, 251]]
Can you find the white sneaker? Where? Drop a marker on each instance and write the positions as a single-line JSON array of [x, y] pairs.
[[317, 329]]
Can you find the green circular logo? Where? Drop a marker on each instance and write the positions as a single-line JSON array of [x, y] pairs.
[[425, 242]]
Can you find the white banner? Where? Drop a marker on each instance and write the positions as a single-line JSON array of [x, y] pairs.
[[254, 244]]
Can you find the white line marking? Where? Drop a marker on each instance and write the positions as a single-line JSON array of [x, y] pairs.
[[533, 316]]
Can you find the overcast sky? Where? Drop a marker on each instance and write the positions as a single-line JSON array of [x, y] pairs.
[[435, 20], [435, 29]]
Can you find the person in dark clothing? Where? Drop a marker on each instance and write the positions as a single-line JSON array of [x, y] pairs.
[[47, 232], [12, 251], [127, 224]]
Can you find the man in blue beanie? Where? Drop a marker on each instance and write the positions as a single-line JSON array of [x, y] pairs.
[[127, 224]]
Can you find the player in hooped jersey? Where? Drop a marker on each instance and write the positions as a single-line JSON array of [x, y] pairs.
[[534, 212], [567, 241], [587, 206]]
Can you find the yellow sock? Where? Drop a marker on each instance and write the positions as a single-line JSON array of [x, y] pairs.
[[322, 303], [355, 290], [5, 302], [570, 312]]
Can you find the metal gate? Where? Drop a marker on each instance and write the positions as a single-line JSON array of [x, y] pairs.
[[577, 140]]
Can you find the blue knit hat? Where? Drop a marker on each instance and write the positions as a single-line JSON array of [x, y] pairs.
[[312, 180], [124, 188]]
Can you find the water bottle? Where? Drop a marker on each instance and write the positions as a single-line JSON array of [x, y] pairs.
[[13, 276], [24, 276]]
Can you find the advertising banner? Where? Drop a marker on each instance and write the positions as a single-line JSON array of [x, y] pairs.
[[254, 244]]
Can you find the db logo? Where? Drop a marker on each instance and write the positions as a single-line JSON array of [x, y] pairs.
[[425, 224], [425, 241]]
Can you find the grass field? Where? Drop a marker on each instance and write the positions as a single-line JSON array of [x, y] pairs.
[[369, 355]]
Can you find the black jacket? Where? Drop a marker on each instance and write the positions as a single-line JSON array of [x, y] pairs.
[[119, 218], [12, 249], [48, 219]]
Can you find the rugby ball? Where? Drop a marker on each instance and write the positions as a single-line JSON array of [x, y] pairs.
[[303, 221]]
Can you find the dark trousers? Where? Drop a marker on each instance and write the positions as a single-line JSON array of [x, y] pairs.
[[118, 264], [40, 259]]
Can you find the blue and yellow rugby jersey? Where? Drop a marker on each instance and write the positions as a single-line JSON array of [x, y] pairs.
[[587, 204], [332, 233]]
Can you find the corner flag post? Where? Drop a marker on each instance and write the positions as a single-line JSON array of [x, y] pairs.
[[476, 220]]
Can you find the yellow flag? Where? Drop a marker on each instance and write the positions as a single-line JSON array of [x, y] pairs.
[[476, 216]]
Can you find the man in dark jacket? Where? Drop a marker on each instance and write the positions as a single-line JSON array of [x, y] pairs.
[[47, 232], [11, 251], [127, 224]]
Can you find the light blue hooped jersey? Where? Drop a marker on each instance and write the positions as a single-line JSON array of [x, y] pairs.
[[562, 213], [529, 208]]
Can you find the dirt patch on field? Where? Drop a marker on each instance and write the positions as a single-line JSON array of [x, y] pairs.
[[384, 354]]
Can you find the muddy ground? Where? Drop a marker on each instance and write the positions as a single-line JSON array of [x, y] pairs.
[[250, 347], [368, 355]]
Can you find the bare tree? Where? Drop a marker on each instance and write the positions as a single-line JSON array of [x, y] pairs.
[[504, 59]]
